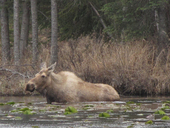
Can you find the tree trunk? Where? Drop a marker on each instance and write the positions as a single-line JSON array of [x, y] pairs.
[[24, 28], [54, 47], [5, 33], [163, 39], [101, 20], [162, 27], [34, 31], [16, 32]]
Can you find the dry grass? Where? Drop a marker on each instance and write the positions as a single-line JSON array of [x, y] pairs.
[[132, 68]]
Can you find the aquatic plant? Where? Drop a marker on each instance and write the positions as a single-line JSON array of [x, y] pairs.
[[89, 106], [35, 127], [168, 102], [149, 122], [2, 104], [131, 126], [104, 114], [160, 112], [25, 111], [130, 102], [165, 107], [138, 104], [165, 118], [109, 111], [10, 103], [70, 110], [18, 118]]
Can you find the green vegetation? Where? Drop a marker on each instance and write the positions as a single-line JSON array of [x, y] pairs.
[[130, 102], [25, 111], [10, 103], [165, 118], [104, 114], [70, 110], [89, 106], [131, 126], [1, 104], [160, 112], [18, 118], [35, 127], [149, 122], [165, 107], [109, 111]]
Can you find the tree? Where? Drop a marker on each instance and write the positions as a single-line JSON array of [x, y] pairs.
[[16, 32], [24, 27], [162, 26], [77, 18], [54, 47], [5, 32], [34, 31]]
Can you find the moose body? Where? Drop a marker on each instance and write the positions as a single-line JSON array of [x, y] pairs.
[[67, 87]]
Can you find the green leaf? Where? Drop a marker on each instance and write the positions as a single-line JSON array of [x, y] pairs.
[[166, 107], [149, 122], [160, 112], [10, 103], [28, 112], [25, 109], [18, 118], [109, 111], [70, 110], [104, 114], [130, 102], [165, 118], [2, 104], [88, 106]]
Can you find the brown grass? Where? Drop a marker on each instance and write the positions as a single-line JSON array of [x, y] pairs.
[[132, 68]]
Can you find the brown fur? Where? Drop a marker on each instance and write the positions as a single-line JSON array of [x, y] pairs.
[[67, 87]]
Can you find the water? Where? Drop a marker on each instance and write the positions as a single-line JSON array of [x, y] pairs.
[[125, 114]]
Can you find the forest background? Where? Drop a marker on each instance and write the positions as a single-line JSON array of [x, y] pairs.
[[123, 43]]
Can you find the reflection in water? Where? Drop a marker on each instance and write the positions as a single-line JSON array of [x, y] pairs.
[[122, 113]]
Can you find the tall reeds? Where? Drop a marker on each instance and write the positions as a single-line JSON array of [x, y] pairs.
[[133, 68]]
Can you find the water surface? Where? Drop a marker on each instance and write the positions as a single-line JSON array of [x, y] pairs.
[[125, 114]]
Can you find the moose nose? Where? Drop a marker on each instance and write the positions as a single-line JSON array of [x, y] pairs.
[[30, 87]]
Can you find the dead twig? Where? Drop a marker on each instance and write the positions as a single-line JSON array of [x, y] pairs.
[[14, 72]]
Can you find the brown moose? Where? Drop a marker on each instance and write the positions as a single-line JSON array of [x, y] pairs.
[[67, 87]]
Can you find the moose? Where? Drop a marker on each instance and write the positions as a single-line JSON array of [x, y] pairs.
[[65, 86]]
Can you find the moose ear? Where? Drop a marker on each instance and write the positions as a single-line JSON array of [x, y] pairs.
[[43, 65], [52, 67]]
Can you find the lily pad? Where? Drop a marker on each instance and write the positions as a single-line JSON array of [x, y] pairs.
[[18, 118], [10, 103], [70, 110], [160, 112], [35, 127], [166, 107], [165, 118], [25, 109], [2, 104], [130, 102], [109, 111], [149, 122], [28, 112], [89, 106], [104, 114], [167, 102]]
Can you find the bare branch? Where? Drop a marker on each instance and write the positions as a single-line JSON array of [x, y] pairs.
[[101, 20], [14, 72]]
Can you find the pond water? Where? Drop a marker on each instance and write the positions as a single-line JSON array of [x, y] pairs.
[[134, 112]]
